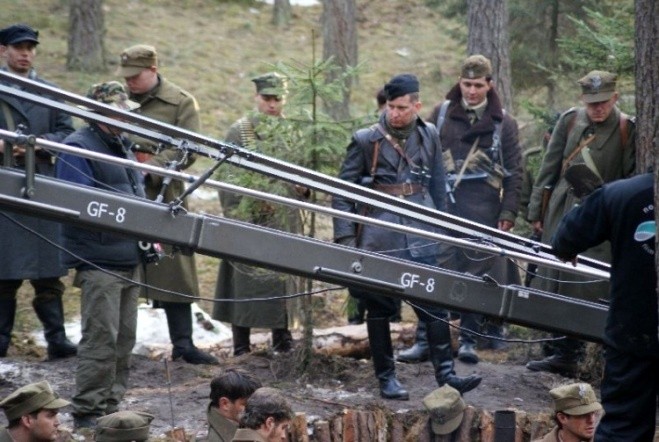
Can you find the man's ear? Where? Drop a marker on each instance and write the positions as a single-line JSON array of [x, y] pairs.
[[270, 423], [223, 402]]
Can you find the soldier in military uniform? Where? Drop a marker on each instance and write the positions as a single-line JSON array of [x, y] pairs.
[[576, 413], [24, 254], [241, 281], [32, 414], [399, 156], [162, 100], [480, 145], [601, 137]]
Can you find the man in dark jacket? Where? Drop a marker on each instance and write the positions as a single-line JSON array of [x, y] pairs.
[[162, 100], [400, 156], [623, 213], [483, 161], [107, 267], [26, 256]]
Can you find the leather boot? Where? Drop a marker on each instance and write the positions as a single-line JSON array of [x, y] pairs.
[[179, 322], [7, 314], [241, 344], [382, 352], [419, 351], [439, 342], [51, 314], [282, 340], [563, 361], [496, 331], [467, 350]]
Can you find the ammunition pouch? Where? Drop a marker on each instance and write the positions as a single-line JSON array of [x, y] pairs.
[[481, 163]]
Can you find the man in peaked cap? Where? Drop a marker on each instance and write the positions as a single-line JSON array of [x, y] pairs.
[[106, 264], [602, 138], [399, 156], [163, 100], [576, 412], [446, 409], [32, 414], [123, 426], [240, 281], [26, 256]]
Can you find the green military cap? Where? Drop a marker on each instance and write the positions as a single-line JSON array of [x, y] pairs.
[[476, 66], [271, 83], [135, 59], [123, 426], [446, 408], [112, 93], [575, 399], [597, 86], [31, 398]]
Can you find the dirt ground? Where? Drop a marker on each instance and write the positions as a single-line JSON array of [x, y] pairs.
[[331, 385]]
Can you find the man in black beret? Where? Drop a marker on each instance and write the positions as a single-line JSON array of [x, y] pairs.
[[400, 156], [26, 256]]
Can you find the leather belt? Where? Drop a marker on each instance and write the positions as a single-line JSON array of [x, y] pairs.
[[402, 189]]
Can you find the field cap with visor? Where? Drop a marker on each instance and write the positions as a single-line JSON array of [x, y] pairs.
[[597, 86]]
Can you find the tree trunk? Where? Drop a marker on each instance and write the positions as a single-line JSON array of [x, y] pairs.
[[487, 21], [86, 50], [553, 51], [340, 42], [647, 95], [281, 14]]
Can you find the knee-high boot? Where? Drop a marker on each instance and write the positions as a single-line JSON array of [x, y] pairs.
[[7, 314], [241, 344], [379, 338], [179, 322], [419, 351], [51, 314], [439, 341]]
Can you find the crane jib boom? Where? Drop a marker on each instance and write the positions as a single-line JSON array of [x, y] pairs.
[[173, 137], [299, 255]]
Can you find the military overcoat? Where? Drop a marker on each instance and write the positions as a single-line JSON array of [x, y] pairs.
[[25, 255], [172, 105], [613, 161], [242, 281]]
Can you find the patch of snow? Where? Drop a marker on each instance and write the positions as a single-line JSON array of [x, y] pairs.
[[152, 331]]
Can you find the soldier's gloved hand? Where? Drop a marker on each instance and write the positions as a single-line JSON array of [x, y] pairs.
[[350, 241]]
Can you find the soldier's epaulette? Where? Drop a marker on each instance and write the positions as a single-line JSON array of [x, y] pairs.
[[571, 110]]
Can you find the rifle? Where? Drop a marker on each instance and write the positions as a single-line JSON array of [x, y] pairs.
[[546, 196]]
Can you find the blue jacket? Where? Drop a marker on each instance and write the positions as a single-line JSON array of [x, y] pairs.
[[107, 250]]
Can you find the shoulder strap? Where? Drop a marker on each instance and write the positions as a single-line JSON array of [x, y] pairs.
[[624, 133], [395, 145], [9, 118], [442, 115]]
